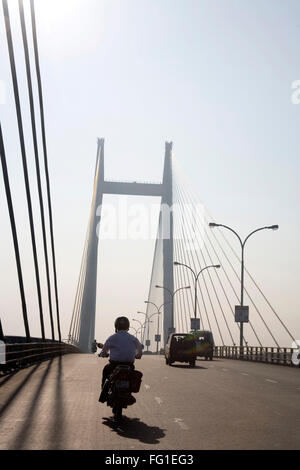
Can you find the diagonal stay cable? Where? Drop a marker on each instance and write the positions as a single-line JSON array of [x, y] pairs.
[[42, 118], [215, 291], [247, 292], [256, 285], [185, 280], [184, 276], [186, 257], [180, 303], [14, 234], [202, 296], [187, 299], [199, 266], [36, 155], [80, 284], [227, 277], [209, 297], [183, 300], [207, 234], [24, 159], [193, 193], [184, 192], [77, 295], [249, 296]]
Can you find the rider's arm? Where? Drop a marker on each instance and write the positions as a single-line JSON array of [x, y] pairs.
[[139, 349], [105, 349]]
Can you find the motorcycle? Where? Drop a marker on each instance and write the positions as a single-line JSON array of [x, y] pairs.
[[118, 388]]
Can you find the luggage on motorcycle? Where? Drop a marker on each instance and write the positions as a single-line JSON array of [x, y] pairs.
[[135, 381], [104, 393], [120, 376], [123, 373], [120, 373]]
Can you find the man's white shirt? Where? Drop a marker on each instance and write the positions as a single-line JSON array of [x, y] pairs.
[[123, 347]]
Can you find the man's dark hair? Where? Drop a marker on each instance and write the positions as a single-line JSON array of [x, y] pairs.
[[122, 323]]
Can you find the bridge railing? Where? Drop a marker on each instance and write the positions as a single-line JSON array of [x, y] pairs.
[[18, 355], [268, 355]]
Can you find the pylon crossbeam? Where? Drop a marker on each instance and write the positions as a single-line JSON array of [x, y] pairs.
[[89, 273]]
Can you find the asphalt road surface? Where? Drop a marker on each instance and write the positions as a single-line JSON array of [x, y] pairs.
[[224, 404]]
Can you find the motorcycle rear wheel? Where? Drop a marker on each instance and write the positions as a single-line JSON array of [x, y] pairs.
[[117, 411]]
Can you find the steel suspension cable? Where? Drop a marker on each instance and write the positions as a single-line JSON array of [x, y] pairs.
[[77, 325], [250, 298], [204, 225], [153, 271], [42, 118], [257, 286], [14, 234], [185, 280], [205, 308], [184, 276], [210, 301], [77, 295], [36, 155], [227, 277], [80, 284], [24, 159], [198, 266], [202, 296], [247, 292], [187, 297], [187, 300], [185, 256], [209, 275], [209, 297], [181, 302]]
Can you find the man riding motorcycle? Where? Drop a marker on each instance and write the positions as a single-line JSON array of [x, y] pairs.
[[123, 347]]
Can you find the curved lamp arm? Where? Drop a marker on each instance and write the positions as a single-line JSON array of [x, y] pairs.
[[176, 263]]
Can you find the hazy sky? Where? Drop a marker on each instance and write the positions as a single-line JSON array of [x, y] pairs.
[[215, 77]]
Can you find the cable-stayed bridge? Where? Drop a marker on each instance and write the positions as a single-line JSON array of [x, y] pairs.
[[185, 243], [49, 387]]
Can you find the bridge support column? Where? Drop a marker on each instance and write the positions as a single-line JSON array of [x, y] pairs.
[[167, 233], [88, 305]]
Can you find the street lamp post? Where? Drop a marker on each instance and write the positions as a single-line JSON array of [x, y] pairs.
[[147, 321], [196, 277], [136, 331], [144, 313], [140, 327], [156, 313], [172, 294], [242, 243]]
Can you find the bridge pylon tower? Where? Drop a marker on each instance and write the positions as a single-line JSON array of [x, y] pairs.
[[85, 301]]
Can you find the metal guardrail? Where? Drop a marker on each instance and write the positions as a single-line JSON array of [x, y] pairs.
[[132, 182], [282, 356], [20, 355]]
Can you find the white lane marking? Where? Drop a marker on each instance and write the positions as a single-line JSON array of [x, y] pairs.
[[244, 373], [272, 381], [225, 370], [147, 386], [181, 423], [166, 377], [159, 400]]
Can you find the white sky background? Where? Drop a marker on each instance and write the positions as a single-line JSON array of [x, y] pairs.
[[213, 76]]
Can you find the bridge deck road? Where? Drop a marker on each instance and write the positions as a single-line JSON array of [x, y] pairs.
[[223, 404]]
